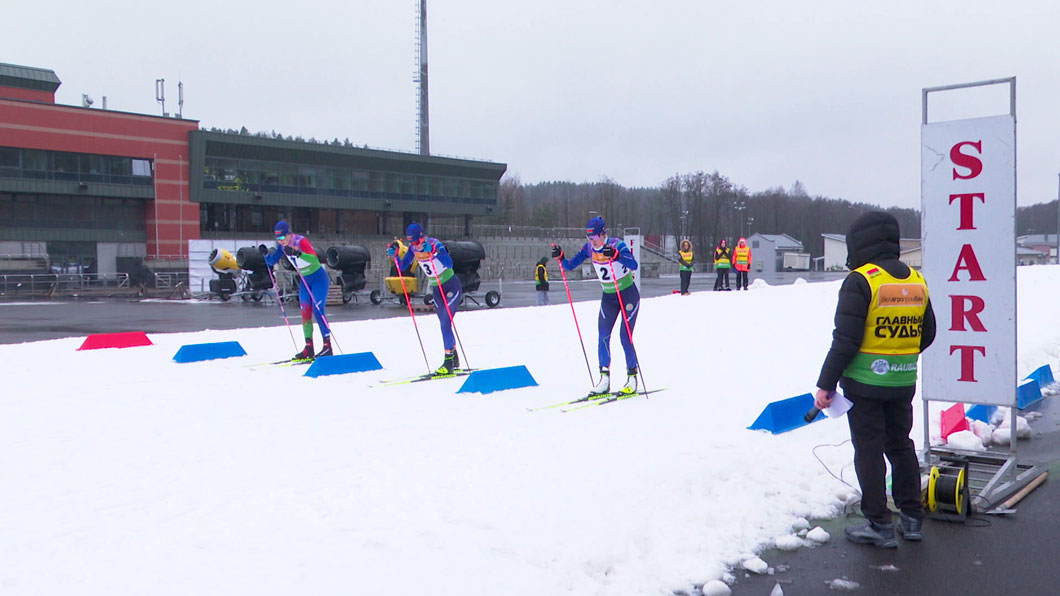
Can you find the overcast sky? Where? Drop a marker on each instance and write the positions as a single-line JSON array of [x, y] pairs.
[[766, 93]]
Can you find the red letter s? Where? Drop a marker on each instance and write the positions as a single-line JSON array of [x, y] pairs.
[[974, 164]]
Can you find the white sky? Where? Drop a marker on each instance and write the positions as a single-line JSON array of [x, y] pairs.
[[765, 92]]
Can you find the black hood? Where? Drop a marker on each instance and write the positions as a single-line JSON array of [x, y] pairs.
[[543, 261], [872, 237]]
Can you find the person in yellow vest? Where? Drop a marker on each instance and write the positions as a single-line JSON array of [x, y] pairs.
[[722, 264], [741, 261], [883, 321], [685, 257], [541, 281]]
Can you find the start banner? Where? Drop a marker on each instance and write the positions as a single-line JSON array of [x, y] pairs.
[[968, 206]]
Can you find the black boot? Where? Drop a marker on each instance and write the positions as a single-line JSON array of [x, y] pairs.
[[326, 349], [307, 353], [448, 367]]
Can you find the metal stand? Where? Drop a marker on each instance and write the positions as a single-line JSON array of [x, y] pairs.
[[992, 476]]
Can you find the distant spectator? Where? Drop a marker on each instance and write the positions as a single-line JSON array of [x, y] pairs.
[[741, 260], [685, 257], [541, 277], [722, 264]]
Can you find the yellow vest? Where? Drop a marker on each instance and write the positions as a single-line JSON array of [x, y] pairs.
[[890, 345], [686, 256]]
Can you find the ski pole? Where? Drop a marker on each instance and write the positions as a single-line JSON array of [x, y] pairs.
[[412, 314], [452, 322], [625, 319], [282, 309], [313, 300], [581, 342]]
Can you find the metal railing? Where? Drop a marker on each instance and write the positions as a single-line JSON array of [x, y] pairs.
[[48, 283]]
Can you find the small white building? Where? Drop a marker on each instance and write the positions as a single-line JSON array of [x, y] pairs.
[[767, 251], [1044, 244], [835, 252]]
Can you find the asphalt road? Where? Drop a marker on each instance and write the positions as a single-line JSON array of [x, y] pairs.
[[22, 321]]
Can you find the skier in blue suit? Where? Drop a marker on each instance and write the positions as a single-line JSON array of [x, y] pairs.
[[614, 265], [432, 257]]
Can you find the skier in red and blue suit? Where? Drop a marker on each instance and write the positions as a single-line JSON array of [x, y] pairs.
[[610, 257], [432, 257], [313, 293]]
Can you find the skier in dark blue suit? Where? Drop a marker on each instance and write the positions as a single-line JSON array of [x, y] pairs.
[[432, 257], [614, 265]]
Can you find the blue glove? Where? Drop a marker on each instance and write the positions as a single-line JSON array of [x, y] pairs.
[[609, 252], [391, 250]]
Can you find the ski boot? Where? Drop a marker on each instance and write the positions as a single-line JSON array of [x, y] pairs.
[[326, 350], [306, 354], [451, 363], [604, 384], [631, 382]]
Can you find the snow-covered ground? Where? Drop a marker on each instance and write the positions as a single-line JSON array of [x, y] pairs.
[[125, 473]]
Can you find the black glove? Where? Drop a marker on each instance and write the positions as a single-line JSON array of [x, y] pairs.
[[609, 252], [263, 249], [292, 251], [557, 252]]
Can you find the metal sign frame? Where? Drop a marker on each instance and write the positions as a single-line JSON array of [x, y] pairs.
[[971, 294]]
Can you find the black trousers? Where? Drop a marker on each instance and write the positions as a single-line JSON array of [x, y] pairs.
[[723, 279], [741, 275], [686, 280], [880, 428]]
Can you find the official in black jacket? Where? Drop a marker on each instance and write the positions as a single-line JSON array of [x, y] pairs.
[[883, 320]]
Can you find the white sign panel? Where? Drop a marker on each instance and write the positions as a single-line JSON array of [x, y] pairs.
[[968, 194]]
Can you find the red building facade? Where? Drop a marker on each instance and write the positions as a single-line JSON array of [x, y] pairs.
[[30, 119]]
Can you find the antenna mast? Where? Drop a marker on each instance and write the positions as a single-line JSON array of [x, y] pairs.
[[423, 142]]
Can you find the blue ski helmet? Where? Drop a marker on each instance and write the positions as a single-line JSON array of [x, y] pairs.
[[282, 228], [595, 227], [414, 232]]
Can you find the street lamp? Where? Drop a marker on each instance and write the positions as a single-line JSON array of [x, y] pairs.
[[750, 222], [739, 206], [684, 225]]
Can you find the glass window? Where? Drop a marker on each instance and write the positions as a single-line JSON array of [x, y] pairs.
[[65, 163], [452, 187], [360, 180], [34, 160], [393, 183], [307, 178], [141, 167], [288, 176], [119, 166], [408, 184], [90, 164], [9, 158], [340, 179], [270, 175]]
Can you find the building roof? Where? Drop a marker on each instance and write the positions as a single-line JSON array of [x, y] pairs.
[[836, 237], [28, 77], [1028, 252], [782, 241], [1036, 239]]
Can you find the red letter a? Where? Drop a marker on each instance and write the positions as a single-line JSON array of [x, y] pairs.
[[970, 264]]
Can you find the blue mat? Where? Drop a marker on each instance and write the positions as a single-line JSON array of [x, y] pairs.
[[211, 351]]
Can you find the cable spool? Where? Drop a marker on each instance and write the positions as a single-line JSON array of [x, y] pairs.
[[947, 494]]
